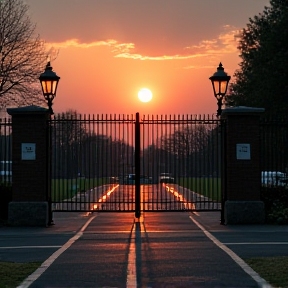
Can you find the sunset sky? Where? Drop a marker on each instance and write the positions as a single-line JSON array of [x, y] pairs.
[[110, 49]]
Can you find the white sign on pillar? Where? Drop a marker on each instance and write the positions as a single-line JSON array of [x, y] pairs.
[[28, 151], [243, 152]]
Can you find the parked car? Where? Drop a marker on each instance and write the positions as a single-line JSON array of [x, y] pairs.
[[273, 178], [130, 179], [5, 171], [166, 178], [114, 179]]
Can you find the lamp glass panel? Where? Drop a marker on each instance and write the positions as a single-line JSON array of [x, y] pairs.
[[46, 87], [49, 87], [220, 87], [216, 86], [223, 87], [54, 86]]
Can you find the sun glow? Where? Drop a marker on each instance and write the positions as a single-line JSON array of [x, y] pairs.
[[145, 95]]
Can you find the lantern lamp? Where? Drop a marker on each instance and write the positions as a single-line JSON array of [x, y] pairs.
[[220, 81], [49, 82]]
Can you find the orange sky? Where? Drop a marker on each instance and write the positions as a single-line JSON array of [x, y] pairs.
[[110, 49]]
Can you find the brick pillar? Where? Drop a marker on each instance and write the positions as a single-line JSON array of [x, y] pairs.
[[242, 166], [30, 167]]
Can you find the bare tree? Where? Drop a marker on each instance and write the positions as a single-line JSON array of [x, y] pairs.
[[68, 135], [190, 145], [70, 127], [186, 140], [22, 56]]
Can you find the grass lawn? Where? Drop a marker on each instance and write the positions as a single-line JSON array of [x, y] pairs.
[[67, 188], [273, 269], [13, 274], [206, 186]]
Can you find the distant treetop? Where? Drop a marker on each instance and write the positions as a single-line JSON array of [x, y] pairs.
[[262, 78]]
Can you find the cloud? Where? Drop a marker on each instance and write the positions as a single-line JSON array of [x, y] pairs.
[[159, 58], [120, 50], [76, 43], [199, 67], [225, 43]]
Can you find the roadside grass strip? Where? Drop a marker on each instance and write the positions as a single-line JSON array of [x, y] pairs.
[[275, 269], [12, 273]]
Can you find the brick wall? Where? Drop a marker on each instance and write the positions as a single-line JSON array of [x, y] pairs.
[[242, 176], [30, 180]]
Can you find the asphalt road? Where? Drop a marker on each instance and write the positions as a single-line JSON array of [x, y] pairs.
[[161, 249], [154, 197]]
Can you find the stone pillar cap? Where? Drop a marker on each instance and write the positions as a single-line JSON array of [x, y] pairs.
[[242, 110], [32, 109]]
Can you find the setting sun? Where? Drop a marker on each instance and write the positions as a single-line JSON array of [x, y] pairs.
[[145, 95]]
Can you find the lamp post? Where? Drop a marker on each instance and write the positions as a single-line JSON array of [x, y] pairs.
[[220, 81], [49, 82]]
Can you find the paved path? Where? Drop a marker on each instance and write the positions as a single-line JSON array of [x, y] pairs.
[[178, 249]]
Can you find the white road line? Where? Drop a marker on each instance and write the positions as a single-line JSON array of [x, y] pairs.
[[131, 281], [260, 281], [34, 276], [31, 247], [257, 243]]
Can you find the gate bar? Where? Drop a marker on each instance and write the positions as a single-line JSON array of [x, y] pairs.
[[137, 168]]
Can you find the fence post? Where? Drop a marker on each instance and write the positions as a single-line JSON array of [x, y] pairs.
[[137, 168], [30, 167], [222, 147], [242, 166]]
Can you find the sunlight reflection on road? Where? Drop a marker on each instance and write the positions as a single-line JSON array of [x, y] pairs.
[[179, 197], [105, 197]]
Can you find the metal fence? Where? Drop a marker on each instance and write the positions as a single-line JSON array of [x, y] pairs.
[[90, 157], [274, 151], [96, 160]]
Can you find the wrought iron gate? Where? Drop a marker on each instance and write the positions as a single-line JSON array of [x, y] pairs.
[[124, 164]]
